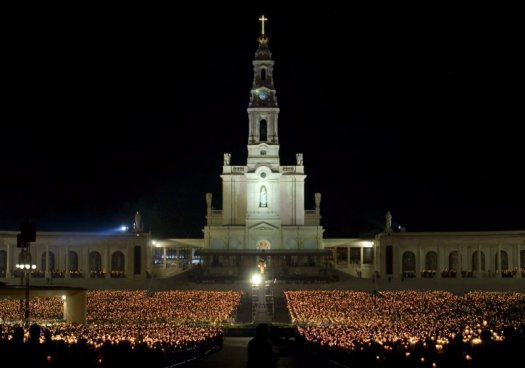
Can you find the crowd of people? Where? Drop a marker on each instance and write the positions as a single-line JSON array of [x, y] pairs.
[[161, 327], [112, 306], [380, 328]]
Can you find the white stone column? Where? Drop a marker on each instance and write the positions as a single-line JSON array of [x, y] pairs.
[[107, 261], [128, 270], [165, 258], [460, 266], [469, 259], [499, 261], [518, 261], [374, 254], [439, 262], [418, 262], [84, 254], [361, 261], [479, 272], [9, 255], [67, 262], [48, 272]]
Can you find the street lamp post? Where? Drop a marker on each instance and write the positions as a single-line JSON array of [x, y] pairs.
[[26, 268], [24, 239]]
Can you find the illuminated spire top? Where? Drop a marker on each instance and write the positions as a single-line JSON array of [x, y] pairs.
[[262, 19], [263, 52]]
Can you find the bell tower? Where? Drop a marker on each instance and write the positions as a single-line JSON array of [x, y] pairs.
[[262, 201], [263, 112]]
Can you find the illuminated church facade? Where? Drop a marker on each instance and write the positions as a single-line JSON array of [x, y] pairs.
[[263, 219], [263, 211]]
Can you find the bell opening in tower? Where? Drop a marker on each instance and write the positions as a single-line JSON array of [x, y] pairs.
[[263, 131]]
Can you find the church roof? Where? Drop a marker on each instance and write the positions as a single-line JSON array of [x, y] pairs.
[[262, 252]]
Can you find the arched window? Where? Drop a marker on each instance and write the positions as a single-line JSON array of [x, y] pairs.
[[3, 263], [431, 259], [51, 261], [263, 200], [453, 261], [409, 262], [263, 74], [73, 261], [504, 261], [475, 261], [95, 262], [117, 262], [263, 131]]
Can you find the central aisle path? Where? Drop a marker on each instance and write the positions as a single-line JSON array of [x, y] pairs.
[[234, 355]]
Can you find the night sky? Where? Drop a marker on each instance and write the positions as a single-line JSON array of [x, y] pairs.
[[110, 111]]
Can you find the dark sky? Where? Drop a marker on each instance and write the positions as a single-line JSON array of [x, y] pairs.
[[109, 111]]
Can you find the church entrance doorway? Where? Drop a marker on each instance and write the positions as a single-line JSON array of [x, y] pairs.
[[263, 245]]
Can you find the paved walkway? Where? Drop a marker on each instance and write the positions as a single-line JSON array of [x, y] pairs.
[[234, 354]]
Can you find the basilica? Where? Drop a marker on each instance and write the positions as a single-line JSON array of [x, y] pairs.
[[263, 224]]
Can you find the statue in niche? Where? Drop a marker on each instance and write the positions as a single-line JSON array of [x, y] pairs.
[[263, 202], [299, 158], [227, 157]]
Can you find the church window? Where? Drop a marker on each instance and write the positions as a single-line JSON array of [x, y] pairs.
[[51, 261], [409, 264], [454, 261], [263, 74], [263, 200], [368, 255], [431, 261], [117, 264], [475, 266], [263, 244], [73, 261], [263, 131], [504, 261], [95, 262]]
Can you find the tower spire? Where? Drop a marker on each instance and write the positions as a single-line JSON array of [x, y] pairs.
[[262, 19], [263, 110]]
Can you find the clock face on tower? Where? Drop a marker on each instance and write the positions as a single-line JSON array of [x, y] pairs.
[[263, 95]]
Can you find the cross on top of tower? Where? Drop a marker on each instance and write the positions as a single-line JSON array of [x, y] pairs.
[[262, 19]]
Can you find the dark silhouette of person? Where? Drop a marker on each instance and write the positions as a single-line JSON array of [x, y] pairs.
[[260, 350], [34, 334], [18, 335]]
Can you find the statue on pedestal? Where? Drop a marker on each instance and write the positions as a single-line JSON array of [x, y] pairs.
[[227, 157], [388, 226], [299, 159], [137, 225]]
